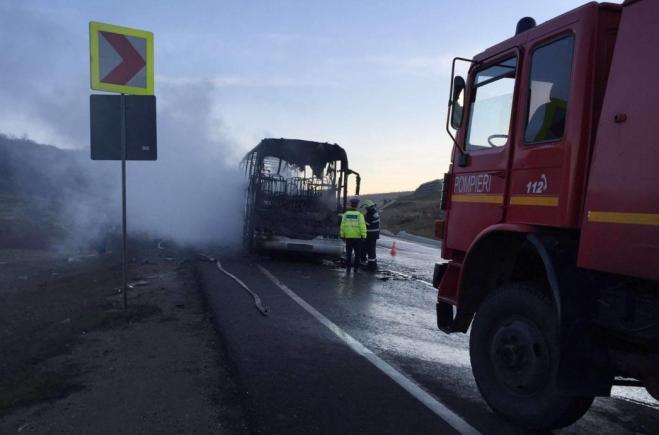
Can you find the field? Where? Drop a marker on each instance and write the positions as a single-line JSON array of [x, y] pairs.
[[413, 212]]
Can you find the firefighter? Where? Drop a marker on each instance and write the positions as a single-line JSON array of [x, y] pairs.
[[372, 220], [353, 231]]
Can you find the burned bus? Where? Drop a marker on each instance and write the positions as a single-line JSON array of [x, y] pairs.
[[296, 191]]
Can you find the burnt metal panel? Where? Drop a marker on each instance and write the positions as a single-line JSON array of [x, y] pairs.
[[301, 152]]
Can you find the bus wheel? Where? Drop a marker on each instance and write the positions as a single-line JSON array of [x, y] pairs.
[[514, 350]]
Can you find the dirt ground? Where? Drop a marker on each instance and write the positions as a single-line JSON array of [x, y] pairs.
[[73, 361], [414, 213]]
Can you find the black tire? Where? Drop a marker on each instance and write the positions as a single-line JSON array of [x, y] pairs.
[[514, 348]]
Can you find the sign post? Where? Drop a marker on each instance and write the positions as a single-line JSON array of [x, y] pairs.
[[122, 62], [124, 238]]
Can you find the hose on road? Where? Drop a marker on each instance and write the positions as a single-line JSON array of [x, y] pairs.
[[263, 309], [405, 276]]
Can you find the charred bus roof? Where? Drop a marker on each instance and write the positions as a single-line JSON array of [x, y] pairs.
[[300, 153]]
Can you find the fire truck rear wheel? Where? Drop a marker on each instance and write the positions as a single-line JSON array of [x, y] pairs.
[[514, 349]]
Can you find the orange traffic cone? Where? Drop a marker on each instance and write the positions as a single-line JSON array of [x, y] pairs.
[[393, 251]]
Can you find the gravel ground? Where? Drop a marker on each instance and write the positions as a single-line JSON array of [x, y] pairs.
[[75, 362]]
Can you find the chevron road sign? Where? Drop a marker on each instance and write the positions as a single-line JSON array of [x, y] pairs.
[[121, 59], [123, 127]]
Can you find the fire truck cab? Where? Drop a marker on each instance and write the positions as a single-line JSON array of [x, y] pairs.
[[551, 233]]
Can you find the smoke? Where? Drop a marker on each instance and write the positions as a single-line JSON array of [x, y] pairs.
[[50, 197], [43, 78], [192, 194]]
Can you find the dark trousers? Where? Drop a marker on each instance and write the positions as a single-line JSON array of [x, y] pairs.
[[356, 246], [369, 251]]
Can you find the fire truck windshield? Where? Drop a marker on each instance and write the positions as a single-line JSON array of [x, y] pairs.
[[491, 106]]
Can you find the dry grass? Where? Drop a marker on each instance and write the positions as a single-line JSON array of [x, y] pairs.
[[414, 213]]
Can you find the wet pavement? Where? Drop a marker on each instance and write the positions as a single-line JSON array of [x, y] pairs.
[[412, 258], [300, 376]]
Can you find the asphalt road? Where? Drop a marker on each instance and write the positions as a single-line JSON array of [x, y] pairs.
[[361, 354]]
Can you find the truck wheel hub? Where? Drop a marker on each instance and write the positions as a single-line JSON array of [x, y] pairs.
[[520, 356]]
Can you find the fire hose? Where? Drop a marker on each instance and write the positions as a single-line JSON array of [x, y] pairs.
[[263, 309]]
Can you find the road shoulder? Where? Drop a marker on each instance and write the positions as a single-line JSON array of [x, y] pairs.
[[94, 368]]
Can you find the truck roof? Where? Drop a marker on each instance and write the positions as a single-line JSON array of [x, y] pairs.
[[547, 26]]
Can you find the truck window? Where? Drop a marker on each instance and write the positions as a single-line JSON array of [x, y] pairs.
[[551, 69], [491, 107]]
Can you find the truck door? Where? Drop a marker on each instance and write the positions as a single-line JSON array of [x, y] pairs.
[[543, 182], [478, 182]]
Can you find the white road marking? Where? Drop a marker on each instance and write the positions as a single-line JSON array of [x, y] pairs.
[[431, 402]]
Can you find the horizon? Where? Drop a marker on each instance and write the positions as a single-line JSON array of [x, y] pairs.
[[372, 77]]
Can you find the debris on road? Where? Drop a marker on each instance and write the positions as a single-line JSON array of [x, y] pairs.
[[133, 284], [386, 274]]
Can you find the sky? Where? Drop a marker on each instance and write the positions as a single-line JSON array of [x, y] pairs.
[[372, 76]]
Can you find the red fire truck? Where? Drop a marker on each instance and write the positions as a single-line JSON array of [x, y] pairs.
[[552, 212]]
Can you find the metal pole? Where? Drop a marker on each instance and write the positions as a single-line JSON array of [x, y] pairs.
[[124, 268]]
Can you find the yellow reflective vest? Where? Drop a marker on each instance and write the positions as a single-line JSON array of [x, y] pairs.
[[352, 225]]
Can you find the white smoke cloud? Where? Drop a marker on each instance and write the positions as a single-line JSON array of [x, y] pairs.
[[192, 194]]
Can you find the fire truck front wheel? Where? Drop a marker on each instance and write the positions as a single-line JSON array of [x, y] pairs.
[[514, 349]]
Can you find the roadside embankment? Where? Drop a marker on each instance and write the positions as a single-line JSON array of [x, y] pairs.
[[75, 362]]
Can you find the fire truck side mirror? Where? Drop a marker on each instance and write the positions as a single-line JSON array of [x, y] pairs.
[[457, 102]]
